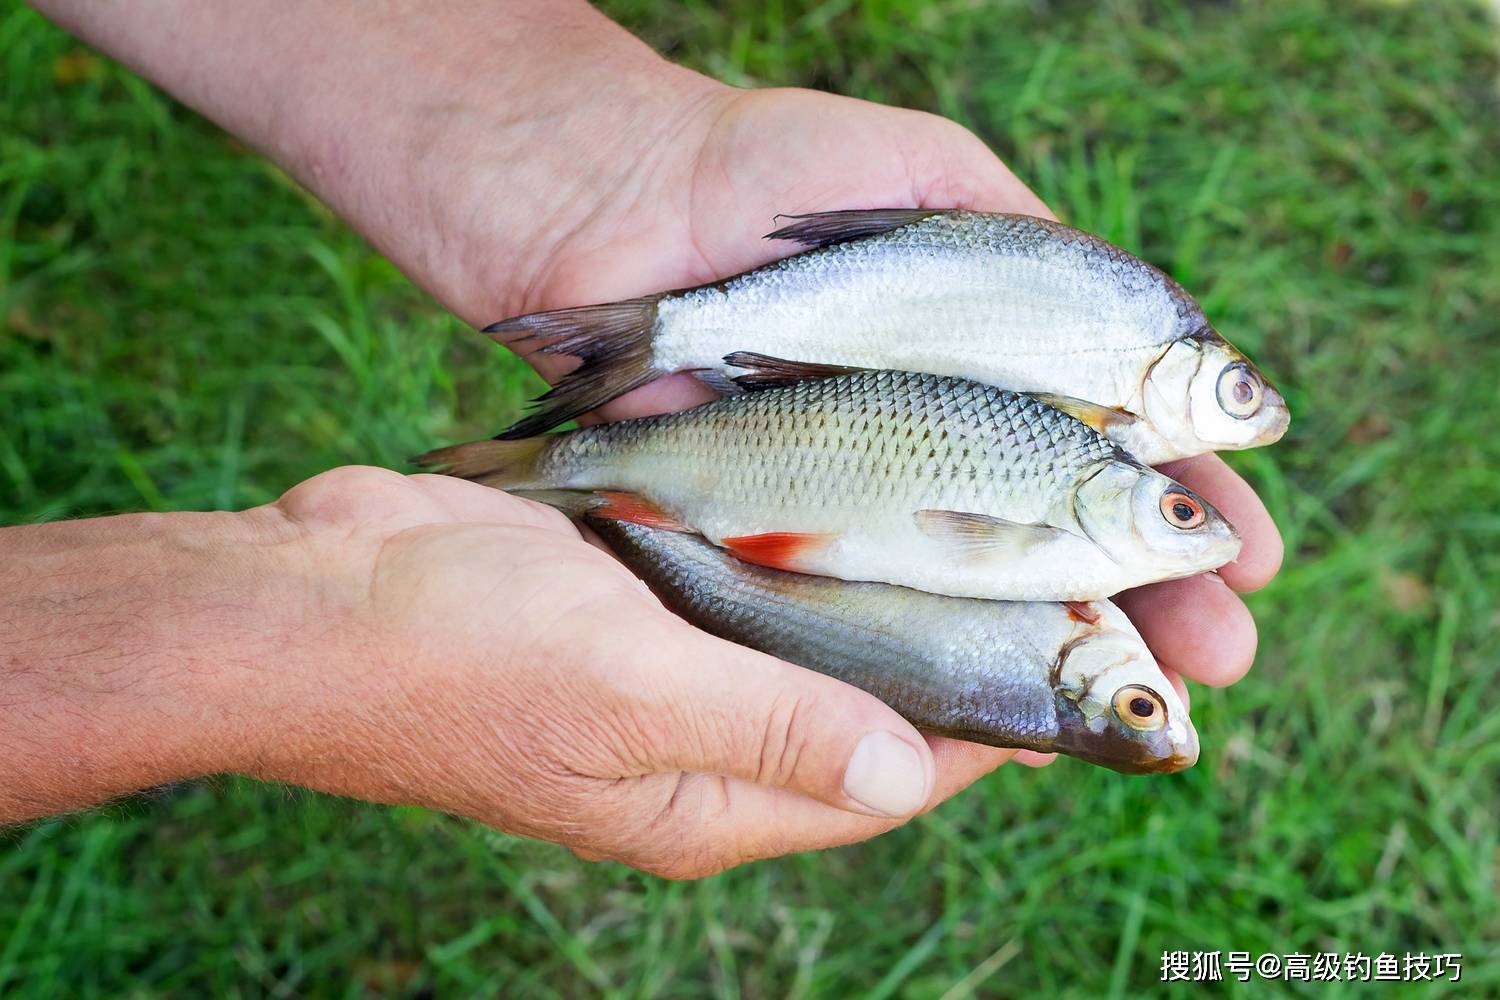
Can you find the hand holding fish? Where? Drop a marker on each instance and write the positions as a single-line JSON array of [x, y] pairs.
[[427, 640]]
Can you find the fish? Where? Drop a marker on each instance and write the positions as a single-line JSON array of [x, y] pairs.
[[1012, 300], [1076, 680], [923, 481]]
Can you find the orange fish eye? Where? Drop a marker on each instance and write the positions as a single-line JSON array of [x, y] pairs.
[[1140, 707], [1182, 510]]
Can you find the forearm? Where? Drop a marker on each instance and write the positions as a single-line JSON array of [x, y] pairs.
[[130, 649], [440, 131]]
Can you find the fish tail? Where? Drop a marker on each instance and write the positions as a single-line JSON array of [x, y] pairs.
[[503, 464], [613, 341]]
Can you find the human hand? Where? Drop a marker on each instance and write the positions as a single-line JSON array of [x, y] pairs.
[[758, 153], [541, 158], [474, 654]]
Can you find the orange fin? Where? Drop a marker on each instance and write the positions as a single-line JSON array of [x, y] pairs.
[[776, 549], [1082, 611], [620, 506]]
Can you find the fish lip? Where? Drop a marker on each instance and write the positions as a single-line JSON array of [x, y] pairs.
[[1283, 420]]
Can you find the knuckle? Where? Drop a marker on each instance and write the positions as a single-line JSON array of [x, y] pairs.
[[785, 738], [340, 492]]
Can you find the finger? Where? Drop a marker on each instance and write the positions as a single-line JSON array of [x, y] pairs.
[[666, 395], [719, 708], [1180, 686], [463, 500], [960, 763], [1197, 627], [955, 169], [707, 824], [1260, 557], [1033, 758]]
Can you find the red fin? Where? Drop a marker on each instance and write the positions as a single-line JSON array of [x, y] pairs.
[[620, 506], [776, 549], [1082, 611]]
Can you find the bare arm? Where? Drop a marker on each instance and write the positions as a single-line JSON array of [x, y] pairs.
[[465, 139]]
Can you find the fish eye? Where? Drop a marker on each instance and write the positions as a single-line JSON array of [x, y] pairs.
[[1240, 390], [1182, 509], [1140, 708]]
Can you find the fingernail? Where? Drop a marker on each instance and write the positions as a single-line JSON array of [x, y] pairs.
[[885, 775]]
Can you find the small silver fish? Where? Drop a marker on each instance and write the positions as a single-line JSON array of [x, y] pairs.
[[940, 484], [1015, 301], [1076, 680]]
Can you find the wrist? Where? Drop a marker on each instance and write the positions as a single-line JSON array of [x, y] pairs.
[[137, 650], [505, 190]]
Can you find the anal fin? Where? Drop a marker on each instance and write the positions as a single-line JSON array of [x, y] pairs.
[[761, 371]]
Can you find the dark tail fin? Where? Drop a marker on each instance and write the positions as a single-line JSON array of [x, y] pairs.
[[504, 464], [614, 342]]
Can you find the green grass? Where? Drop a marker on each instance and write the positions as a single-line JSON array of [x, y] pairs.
[[181, 328]]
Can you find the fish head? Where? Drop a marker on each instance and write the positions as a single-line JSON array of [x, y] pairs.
[[1144, 519], [1114, 705], [1203, 395]]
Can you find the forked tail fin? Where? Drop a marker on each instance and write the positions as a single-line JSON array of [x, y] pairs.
[[614, 342], [504, 464]]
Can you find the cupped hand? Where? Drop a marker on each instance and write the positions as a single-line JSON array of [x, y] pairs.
[[475, 654], [697, 209]]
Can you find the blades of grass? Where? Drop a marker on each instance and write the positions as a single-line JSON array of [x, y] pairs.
[[135, 471], [918, 953], [1441, 668], [29, 916], [1135, 913], [230, 453], [976, 977]]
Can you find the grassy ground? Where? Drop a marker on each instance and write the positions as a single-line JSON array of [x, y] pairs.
[[181, 328]]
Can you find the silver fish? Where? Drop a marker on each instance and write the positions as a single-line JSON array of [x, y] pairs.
[[1012, 300], [940, 484], [1076, 680]]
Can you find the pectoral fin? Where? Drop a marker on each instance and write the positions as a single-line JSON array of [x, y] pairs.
[[974, 535], [761, 371], [606, 505], [1101, 418], [1082, 611]]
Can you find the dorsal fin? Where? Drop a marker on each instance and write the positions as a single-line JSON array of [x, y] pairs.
[[761, 371], [821, 229]]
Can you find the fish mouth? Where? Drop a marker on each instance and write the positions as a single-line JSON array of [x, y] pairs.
[[1282, 420]]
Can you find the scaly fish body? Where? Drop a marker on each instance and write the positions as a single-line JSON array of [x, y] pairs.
[[1037, 676], [940, 484], [1011, 300]]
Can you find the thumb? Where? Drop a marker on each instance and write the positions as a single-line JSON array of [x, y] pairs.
[[732, 711]]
